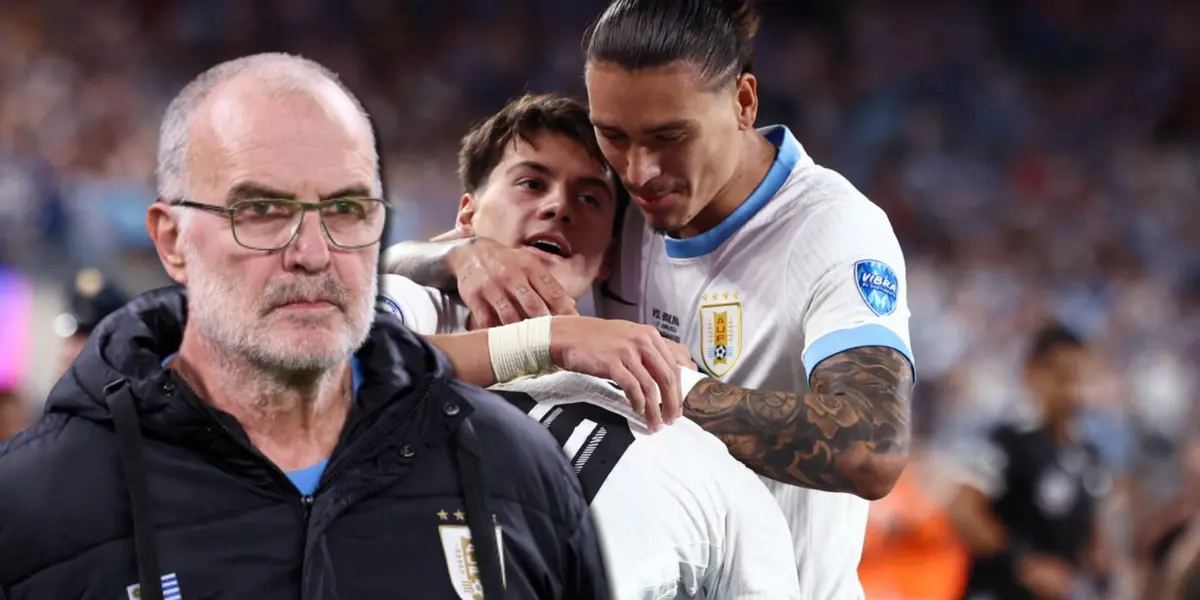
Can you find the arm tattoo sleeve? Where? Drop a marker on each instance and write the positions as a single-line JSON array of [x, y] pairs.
[[849, 433]]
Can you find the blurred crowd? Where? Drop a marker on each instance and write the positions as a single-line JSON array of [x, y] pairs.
[[1038, 159]]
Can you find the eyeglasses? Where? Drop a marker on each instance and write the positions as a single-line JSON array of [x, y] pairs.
[[273, 224]]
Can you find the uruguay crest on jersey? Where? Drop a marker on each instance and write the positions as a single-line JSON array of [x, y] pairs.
[[461, 558], [720, 331]]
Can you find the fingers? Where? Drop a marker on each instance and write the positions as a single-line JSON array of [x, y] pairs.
[[498, 302], [663, 367], [682, 354], [649, 391], [530, 302], [633, 391], [549, 289], [481, 310]]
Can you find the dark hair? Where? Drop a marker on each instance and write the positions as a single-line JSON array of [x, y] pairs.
[[522, 118], [1051, 338], [716, 36]]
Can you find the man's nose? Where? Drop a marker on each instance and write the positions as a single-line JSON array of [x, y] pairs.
[[557, 205], [643, 167], [309, 251]]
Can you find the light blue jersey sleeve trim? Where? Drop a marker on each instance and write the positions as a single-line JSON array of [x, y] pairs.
[[858, 337]]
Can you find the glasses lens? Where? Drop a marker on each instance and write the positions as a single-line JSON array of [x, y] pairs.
[[354, 222], [265, 224]]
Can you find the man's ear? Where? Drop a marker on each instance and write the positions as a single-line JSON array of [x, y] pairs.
[[465, 224], [164, 228], [747, 100]]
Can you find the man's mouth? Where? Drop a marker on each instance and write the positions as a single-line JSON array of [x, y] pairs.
[[552, 244], [307, 305], [651, 199]]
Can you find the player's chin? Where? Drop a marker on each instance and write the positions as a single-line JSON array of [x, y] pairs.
[[667, 223], [667, 215], [575, 274]]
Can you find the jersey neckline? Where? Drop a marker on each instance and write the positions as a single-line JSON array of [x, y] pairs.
[[785, 161]]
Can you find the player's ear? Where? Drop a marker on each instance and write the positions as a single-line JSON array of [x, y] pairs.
[[166, 233], [747, 100], [465, 224]]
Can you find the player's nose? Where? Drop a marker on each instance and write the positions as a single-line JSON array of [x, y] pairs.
[[642, 167], [557, 205]]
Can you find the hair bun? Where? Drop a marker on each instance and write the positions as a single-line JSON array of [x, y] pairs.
[[743, 14]]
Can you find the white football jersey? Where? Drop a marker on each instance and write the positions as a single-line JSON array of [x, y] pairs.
[[806, 268], [677, 516]]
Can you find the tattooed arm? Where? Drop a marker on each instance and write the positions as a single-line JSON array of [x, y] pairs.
[[849, 433], [426, 263]]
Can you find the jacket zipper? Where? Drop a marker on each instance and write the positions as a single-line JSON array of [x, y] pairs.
[[278, 473], [307, 500], [345, 464]]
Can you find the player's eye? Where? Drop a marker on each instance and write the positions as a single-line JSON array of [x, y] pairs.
[[669, 138], [531, 184], [590, 199]]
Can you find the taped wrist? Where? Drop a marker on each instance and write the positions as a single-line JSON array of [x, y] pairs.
[[520, 349]]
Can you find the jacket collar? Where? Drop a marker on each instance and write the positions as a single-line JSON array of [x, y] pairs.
[[132, 343]]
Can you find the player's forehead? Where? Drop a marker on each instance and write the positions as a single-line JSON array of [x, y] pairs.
[[646, 100], [556, 155]]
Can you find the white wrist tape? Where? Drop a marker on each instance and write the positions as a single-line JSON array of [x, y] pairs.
[[520, 349], [689, 379]]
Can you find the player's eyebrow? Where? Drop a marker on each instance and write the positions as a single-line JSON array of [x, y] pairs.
[[549, 172], [655, 129], [251, 190], [532, 165], [670, 126]]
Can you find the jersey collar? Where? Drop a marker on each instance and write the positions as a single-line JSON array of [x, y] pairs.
[[785, 161]]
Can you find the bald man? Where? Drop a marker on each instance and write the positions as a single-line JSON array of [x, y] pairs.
[[257, 432]]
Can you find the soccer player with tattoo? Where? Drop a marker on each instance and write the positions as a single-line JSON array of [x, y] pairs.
[[786, 282], [677, 515]]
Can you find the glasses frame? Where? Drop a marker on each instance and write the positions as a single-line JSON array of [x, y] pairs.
[[230, 210]]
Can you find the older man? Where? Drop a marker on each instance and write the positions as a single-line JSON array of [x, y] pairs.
[[262, 436]]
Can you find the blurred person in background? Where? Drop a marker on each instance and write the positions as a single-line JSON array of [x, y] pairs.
[[259, 433], [90, 298], [1028, 507], [704, 526], [1169, 538], [911, 550], [1178, 576]]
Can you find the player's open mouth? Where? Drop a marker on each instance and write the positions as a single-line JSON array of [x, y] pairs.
[[549, 244]]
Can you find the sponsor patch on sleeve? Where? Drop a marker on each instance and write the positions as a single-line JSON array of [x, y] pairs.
[[878, 286]]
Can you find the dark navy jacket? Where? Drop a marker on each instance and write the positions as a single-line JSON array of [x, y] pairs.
[[218, 520]]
